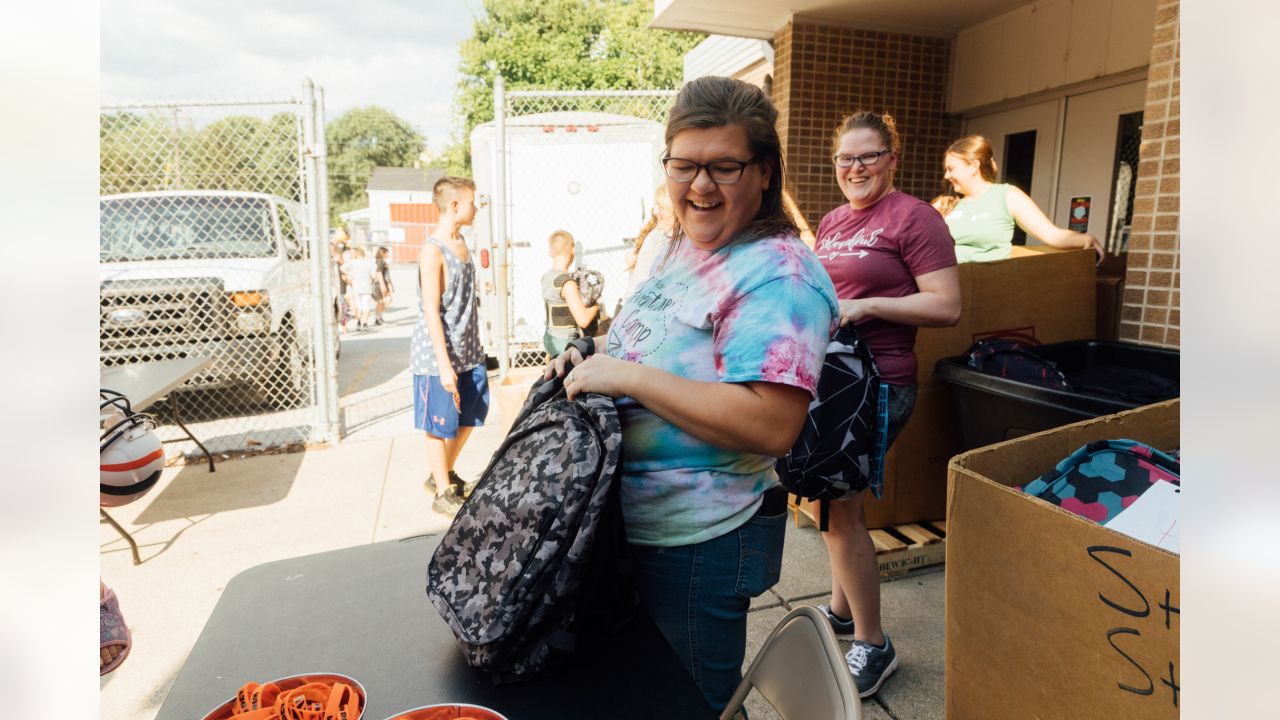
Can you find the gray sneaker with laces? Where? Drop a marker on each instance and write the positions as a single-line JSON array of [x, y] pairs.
[[842, 628], [871, 665], [447, 501]]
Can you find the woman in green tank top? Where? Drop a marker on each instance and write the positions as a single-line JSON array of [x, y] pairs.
[[982, 220]]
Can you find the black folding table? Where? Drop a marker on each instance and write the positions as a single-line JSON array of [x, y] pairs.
[[363, 612]]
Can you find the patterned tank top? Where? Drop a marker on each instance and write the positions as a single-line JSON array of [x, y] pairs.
[[458, 314]]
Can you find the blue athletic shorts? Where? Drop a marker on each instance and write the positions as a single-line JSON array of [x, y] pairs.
[[434, 410]]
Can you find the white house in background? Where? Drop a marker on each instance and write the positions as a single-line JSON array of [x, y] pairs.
[[748, 59], [400, 210], [357, 224]]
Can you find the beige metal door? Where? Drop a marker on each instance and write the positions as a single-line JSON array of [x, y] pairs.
[[1089, 152], [1041, 117]]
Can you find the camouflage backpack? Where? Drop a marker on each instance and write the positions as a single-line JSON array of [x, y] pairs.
[[534, 564]]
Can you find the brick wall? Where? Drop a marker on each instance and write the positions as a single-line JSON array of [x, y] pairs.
[[823, 72], [782, 86], [1151, 313]]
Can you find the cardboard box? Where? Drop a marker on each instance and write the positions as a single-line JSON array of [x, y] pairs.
[[1050, 615], [512, 391], [1044, 296], [915, 484], [1110, 300]]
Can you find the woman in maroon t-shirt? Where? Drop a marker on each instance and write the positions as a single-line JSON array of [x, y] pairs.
[[892, 261]]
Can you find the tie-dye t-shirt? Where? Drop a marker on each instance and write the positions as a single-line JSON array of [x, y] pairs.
[[752, 311]]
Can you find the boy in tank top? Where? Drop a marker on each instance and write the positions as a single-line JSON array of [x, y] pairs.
[[450, 387]]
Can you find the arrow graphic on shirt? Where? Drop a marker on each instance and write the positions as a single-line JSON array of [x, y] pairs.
[[837, 254]]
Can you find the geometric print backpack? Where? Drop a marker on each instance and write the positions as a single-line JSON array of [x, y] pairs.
[[1015, 360], [841, 448], [1103, 478]]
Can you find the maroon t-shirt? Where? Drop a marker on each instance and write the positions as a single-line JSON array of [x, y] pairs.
[[878, 252]]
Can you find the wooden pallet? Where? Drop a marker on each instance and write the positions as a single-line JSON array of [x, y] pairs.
[[899, 549]]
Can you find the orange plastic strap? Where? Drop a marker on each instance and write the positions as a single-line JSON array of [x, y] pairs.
[[242, 697], [264, 697], [303, 703], [319, 701], [255, 702], [313, 701], [263, 714], [344, 704]]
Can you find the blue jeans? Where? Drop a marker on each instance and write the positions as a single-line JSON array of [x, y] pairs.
[[698, 595]]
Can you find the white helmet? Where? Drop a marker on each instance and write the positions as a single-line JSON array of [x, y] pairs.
[[131, 457]]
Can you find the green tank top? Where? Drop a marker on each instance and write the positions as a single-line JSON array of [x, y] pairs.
[[983, 226]]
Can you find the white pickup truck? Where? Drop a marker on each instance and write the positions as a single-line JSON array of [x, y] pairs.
[[217, 273]]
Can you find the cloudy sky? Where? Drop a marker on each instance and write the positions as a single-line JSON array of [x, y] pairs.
[[400, 54]]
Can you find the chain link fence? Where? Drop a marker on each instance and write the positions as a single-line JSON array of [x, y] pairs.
[[585, 162], [212, 247], [1125, 183]]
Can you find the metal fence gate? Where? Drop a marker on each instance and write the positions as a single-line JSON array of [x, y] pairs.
[[581, 161], [214, 244]]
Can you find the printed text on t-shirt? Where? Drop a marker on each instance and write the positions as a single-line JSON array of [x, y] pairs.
[[830, 248], [643, 323]]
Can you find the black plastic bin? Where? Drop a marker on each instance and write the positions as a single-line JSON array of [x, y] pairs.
[[1103, 375]]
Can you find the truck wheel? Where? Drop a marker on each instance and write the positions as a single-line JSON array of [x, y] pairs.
[[290, 385]]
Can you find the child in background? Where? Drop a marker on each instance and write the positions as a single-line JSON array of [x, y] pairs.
[[568, 317], [651, 242], [360, 273], [450, 387], [382, 283]]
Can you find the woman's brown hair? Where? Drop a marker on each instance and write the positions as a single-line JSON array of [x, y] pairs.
[[975, 148], [710, 102], [945, 203], [882, 125], [660, 197]]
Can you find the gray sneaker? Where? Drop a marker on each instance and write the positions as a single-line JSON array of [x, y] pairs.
[[463, 487], [447, 501], [871, 665], [842, 628]]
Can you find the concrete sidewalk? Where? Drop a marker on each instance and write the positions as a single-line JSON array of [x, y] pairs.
[[197, 530]]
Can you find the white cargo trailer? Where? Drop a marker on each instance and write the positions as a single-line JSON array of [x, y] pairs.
[[590, 173]]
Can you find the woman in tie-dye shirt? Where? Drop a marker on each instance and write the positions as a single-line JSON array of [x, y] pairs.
[[713, 361]]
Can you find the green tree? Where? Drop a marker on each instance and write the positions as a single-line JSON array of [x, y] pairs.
[[242, 152], [167, 151], [454, 158], [359, 140], [562, 45], [124, 163]]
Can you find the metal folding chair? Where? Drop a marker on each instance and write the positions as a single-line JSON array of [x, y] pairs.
[[801, 672]]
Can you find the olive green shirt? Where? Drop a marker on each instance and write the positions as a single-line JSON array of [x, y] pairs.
[[982, 226]]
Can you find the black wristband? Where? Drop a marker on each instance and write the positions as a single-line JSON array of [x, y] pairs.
[[585, 345]]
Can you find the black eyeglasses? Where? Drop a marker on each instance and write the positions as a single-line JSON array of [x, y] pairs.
[[865, 159], [721, 172]]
